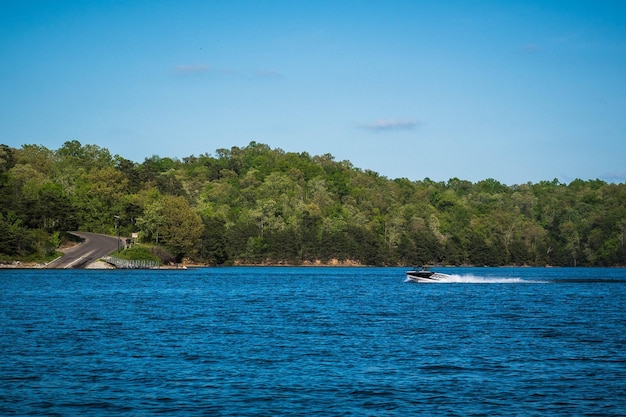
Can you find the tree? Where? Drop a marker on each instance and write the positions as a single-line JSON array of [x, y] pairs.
[[7, 158], [98, 197], [152, 220], [213, 243], [260, 204], [182, 227]]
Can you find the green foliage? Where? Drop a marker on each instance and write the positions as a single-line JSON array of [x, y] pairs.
[[182, 227], [138, 253], [255, 204], [20, 243]]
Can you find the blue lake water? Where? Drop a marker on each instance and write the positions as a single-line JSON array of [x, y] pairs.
[[313, 341]]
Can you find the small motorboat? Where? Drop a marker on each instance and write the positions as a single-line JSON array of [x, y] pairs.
[[423, 274]]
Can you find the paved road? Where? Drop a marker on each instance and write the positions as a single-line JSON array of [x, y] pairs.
[[93, 247]]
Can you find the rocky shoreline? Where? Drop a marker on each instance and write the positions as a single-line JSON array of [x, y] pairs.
[[34, 265], [100, 264]]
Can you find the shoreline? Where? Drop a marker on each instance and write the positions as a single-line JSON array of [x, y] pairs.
[[102, 265]]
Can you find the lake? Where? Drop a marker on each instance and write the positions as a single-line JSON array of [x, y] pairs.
[[291, 341]]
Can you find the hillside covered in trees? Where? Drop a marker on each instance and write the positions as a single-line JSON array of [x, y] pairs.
[[257, 205]]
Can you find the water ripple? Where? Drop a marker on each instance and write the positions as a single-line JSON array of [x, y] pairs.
[[311, 341]]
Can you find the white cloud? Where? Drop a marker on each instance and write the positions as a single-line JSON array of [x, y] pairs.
[[531, 48], [193, 69], [204, 68], [390, 124], [265, 73]]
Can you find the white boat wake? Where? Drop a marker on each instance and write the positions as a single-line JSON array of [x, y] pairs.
[[473, 279]]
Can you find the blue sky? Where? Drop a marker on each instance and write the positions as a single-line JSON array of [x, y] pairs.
[[518, 91]]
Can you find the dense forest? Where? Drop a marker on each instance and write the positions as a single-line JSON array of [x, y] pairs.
[[257, 205]]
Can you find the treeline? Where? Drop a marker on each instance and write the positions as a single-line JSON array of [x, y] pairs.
[[258, 205]]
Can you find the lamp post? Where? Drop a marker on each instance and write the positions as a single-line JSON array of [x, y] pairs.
[[117, 230]]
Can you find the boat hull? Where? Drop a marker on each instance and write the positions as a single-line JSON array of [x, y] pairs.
[[425, 276]]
